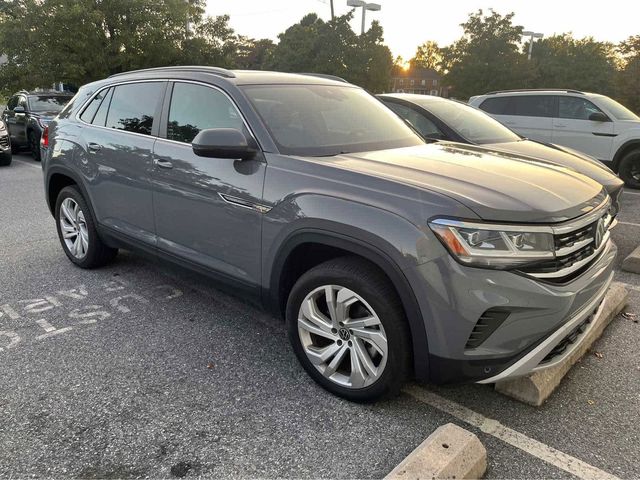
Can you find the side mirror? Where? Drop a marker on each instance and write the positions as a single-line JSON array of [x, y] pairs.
[[223, 143], [598, 117], [19, 109]]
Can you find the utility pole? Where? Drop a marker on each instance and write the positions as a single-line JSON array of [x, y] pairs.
[[531, 36], [332, 13]]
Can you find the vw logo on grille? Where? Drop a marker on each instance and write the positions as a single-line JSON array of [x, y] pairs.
[[599, 235], [344, 334]]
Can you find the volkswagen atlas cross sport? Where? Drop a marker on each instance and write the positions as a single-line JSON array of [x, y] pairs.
[[387, 257]]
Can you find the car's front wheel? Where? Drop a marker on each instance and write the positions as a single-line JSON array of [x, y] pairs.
[[5, 159], [77, 231], [629, 169], [347, 327]]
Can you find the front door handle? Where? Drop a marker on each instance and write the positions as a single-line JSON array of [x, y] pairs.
[[163, 163], [94, 147], [560, 125]]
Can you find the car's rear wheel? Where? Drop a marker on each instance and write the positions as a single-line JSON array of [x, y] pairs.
[[629, 169], [77, 231], [347, 327], [34, 146]]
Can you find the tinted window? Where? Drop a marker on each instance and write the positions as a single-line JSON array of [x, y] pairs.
[[496, 105], [323, 120], [471, 124], [133, 106], [531, 106], [91, 109], [101, 114], [48, 103], [576, 108], [12, 103], [422, 124], [196, 107]]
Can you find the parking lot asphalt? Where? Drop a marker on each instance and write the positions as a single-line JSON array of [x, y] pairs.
[[144, 370]]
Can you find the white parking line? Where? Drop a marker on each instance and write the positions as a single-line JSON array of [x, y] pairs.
[[629, 223], [630, 193], [27, 163], [631, 287], [494, 428]]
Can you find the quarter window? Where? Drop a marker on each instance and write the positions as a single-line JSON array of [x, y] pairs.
[[195, 108], [133, 107], [576, 108]]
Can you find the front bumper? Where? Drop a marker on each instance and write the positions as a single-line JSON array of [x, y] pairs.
[[453, 297]]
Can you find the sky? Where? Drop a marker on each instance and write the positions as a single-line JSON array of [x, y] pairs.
[[408, 23]]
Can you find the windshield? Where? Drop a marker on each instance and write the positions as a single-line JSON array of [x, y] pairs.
[[48, 103], [324, 120], [474, 125], [614, 108]]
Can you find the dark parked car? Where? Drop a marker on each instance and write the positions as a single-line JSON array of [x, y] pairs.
[[28, 113], [387, 257], [436, 118], [5, 145]]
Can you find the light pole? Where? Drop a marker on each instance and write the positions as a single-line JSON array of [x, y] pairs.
[[531, 36], [374, 7]]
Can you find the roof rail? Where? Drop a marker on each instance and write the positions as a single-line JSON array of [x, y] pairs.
[[325, 76], [568, 90], [223, 72]]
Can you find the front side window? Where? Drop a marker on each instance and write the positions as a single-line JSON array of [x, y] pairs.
[[576, 108], [48, 103], [196, 107], [325, 120], [620, 112], [133, 107]]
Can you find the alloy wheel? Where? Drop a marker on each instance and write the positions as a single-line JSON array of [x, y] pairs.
[[74, 228], [342, 336]]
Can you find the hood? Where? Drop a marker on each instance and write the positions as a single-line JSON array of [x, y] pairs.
[[496, 186], [559, 155]]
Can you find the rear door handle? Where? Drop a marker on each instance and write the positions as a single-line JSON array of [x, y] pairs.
[[94, 147], [163, 163], [560, 125]]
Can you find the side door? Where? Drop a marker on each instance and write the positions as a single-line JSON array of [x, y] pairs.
[[17, 119], [573, 128], [116, 156], [207, 211], [527, 115], [8, 115]]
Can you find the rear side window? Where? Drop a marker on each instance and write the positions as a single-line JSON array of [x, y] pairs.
[[496, 105], [91, 109], [576, 108], [531, 106], [133, 107], [196, 107]]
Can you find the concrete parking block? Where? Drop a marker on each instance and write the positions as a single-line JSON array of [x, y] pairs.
[[632, 262], [535, 388], [449, 452]]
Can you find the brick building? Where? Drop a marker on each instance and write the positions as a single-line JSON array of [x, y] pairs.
[[423, 81]]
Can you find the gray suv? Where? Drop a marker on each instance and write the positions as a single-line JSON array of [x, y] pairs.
[[388, 258]]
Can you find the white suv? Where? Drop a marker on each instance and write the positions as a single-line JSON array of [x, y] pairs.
[[592, 123]]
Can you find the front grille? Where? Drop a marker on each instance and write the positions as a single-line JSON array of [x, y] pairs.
[[575, 248], [4, 142], [570, 339], [488, 322]]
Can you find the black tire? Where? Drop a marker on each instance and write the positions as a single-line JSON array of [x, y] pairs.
[[98, 254], [5, 159], [15, 149], [34, 146], [629, 169], [367, 281]]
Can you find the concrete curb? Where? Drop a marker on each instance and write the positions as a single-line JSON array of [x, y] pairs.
[[535, 388], [632, 262], [449, 452]]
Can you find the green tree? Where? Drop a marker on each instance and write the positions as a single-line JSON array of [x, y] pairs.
[[254, 54], [628, 78], [428, 55], [487, 57], [562, 61], [316, 46], [77, 41]]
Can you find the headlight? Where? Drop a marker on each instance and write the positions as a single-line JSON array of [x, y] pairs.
[[494, 246]]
